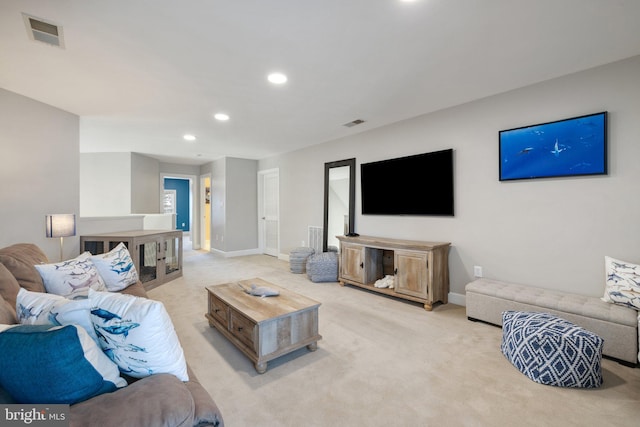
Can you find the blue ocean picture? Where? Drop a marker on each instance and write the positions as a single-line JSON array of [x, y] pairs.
[[569, 147]]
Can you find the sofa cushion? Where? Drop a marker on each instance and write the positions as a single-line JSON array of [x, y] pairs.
[[116, 268], [54, 364], [71, 278], [9, 286], [159, 400], [20, 259], [137, 290], [40, 308], [137, 334], [7, 313], [206, 411], [623, 283]]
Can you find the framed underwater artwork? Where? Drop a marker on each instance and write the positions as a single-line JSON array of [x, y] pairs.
[[569, 147]]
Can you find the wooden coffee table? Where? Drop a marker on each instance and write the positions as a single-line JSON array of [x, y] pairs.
[[263, 328]]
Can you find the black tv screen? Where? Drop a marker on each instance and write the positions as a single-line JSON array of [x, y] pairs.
[[421, 184]]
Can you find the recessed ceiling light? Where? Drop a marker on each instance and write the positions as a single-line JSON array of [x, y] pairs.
[[189, 137], [221, 116], [277, 78]]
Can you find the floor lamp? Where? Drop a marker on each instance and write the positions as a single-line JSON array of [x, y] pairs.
[[60, 225]]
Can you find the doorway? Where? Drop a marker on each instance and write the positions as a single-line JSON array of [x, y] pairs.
[[185, 213], [205, 208], [268, 211], [181, 206]]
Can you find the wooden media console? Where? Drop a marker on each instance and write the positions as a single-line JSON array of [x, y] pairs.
[[420, 269]]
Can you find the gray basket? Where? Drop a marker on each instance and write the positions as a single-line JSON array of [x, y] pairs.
[[298, 259]]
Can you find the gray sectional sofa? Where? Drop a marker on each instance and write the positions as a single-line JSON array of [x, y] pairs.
[[156, 400]]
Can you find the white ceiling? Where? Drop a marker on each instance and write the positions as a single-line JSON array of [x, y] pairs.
[[142, 73]]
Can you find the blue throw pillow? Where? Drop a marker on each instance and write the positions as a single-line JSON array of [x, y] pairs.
[[54, 364]]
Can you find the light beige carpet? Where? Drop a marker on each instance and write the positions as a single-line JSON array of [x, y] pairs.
[[381, 362]]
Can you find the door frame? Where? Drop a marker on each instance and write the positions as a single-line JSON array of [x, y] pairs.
[[194, 219], [203, 208]]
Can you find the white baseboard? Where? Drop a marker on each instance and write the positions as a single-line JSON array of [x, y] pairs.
[[232, 254], [457, 299]]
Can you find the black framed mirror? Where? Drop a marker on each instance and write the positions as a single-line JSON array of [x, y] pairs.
[[339, 200]]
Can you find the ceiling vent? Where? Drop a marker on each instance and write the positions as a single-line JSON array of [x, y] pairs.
[[353, 123], [43, 31]]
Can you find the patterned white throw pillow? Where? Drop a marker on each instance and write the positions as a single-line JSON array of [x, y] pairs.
[[116, 268], [39, 308], [71, 278], [137, 334], [623, 283]]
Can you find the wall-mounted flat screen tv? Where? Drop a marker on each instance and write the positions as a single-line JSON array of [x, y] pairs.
[[421, 184], [569, 147]]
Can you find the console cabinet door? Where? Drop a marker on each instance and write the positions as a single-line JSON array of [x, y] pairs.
[[352, 265], [171, 246], [411, 273]]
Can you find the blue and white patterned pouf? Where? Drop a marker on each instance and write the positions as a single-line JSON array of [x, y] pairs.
[[551, 350]]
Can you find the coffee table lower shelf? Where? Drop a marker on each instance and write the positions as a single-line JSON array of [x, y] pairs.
[[263, 328]]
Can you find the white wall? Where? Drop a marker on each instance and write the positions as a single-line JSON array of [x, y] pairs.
[[105, 184], [301, 176], [234, 205], [121, 184], [145, 184], [159, 222], [39, 171], [99, 225], [115, 184], [241, 204], [552, 233]]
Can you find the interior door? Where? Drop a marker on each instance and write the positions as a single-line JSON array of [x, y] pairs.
[[268, 211]]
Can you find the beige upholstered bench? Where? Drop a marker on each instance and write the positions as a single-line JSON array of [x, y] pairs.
[[486, 300]]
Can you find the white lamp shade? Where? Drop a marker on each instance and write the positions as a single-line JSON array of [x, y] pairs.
[[60, 225]]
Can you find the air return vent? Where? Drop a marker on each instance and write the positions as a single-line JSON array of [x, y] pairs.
[[43, 31], [353, 123]]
